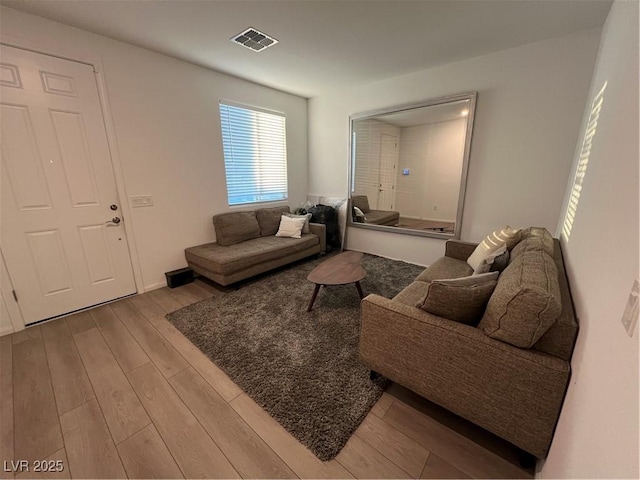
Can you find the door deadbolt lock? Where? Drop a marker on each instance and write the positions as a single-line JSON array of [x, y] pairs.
[[114, 207]]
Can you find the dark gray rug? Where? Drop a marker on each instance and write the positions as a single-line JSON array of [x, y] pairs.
[[300, 367]]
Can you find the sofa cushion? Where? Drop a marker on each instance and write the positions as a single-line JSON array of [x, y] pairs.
[[226, 260], [526, 301], [534, 238], [362, 202], [460, 299], [492, 242], [445, 267], [412, 294], [269, 219], [382, 217], [235, 227]]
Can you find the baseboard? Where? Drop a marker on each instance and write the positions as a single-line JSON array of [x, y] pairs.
[[7, 330], [154, 286]]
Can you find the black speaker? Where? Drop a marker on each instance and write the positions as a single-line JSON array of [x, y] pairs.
[[179, 277]]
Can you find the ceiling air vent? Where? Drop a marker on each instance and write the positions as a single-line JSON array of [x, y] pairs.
[[254, 39]]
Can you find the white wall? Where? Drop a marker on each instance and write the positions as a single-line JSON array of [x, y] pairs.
[[530, 103], [433, 153], [597, 435], [165, 114]]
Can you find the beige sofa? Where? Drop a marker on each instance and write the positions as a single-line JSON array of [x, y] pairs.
[[375, 217], [477, 372], [246, 245]]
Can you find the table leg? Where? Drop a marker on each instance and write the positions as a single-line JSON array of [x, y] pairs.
[[359, 290], [313, 297]]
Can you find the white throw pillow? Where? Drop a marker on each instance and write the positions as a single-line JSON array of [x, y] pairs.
[[307, 217], [290, 227], [507, 236], [485, 264]]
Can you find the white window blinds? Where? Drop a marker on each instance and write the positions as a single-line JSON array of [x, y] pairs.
[[255, 154]]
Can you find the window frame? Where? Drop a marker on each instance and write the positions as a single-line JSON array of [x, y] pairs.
[[276, 185]]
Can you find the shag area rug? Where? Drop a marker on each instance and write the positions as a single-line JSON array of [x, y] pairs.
[[300, 367]]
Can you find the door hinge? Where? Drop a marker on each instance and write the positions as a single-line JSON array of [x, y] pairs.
[[15, 297]]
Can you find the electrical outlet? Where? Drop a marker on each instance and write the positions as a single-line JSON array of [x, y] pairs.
[[141, 201], [630, 315], [435, 207]]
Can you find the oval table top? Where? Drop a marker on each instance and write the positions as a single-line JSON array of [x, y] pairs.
[[342, 269]]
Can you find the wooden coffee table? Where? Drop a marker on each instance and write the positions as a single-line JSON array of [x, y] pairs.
[[342, 269]]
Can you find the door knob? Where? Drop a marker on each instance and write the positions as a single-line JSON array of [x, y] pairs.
[[114, 221]]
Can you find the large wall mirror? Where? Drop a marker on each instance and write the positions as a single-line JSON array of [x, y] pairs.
[[409, 166]]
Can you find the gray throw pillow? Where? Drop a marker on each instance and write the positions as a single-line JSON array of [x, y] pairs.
[[460, 299]]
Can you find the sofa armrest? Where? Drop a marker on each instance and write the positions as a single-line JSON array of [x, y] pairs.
[[458, 249], [320, 229], [515, 393]]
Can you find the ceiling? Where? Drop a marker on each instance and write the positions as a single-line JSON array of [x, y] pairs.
[[324, 44]]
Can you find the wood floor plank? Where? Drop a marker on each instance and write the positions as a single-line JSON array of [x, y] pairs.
[[50, 468], [195, 290], [364, 461], [438, 468], [70, 382], [122, 344], [29, 333], [90, 448], [304, 463], [143, 303], [6, 403], [179, 296], [166, 358], [36, 426], [165, 301], [200, 286], [198, 360], [80, 322], [382, 405], [247, 452], [122, 410], [396, 446], [145, 455], [459, 451], [192, 448]]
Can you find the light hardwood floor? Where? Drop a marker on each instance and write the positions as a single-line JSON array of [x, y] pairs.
[[118, 392]]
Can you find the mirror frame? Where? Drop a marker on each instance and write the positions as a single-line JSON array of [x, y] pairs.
[[472, 98]]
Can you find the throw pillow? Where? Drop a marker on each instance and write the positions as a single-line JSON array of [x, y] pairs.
[[500, 262], [358, 215], [485, 265], [290, 227], [460, 299], [307, 217], [507, 236]]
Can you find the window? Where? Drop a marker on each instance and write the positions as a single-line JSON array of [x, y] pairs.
[[255, 154]]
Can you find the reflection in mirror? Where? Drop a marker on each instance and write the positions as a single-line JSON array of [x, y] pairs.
[[409, 165]]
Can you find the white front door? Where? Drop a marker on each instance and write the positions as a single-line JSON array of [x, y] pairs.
[[387, 172], [62, 233]]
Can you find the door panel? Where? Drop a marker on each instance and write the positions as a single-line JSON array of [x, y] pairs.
[[97, 254], [387, 171], [74, 156], [57, 185], [50, 260], [21, 157]]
